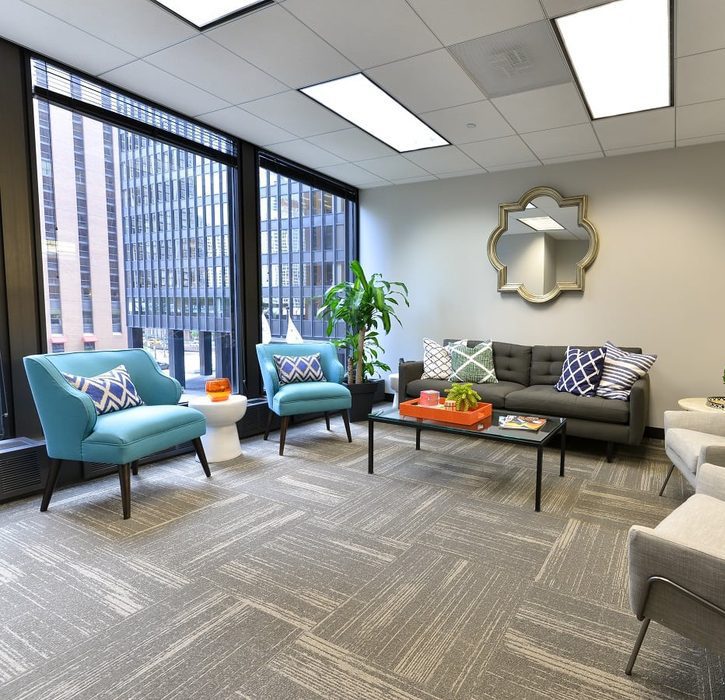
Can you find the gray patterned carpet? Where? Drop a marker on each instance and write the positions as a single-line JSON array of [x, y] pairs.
[[304, 577]]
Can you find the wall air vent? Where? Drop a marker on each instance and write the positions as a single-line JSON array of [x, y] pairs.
[[20, 467], [516, 60]]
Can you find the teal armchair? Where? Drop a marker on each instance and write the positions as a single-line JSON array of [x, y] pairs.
[[290, 400], [73, 430]]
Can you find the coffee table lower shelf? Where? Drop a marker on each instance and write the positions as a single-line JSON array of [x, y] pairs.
[[489, 430]]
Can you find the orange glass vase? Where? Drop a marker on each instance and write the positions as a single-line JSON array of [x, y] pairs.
[[218, 389]]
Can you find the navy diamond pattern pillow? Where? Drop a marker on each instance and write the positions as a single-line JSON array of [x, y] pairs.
[[581, 372], [303, 368], [110, 391]]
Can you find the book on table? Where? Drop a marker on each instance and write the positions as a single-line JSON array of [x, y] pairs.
[[522, 422]]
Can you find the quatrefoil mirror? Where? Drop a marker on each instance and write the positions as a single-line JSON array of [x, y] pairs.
[[543, 244]]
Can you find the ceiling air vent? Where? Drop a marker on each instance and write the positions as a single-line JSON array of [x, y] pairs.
[[520, 59]]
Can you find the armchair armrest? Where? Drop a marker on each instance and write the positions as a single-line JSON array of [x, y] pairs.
[[408, 372], [695, 420], [651, 554], [711, 481], [154, 387], [638, 410]]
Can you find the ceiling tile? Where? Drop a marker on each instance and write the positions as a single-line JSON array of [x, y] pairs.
[[499, 152], [139, 26], [369, 33], [514, 166], [153, 83], [557, 8], [695, 78], [570, 159], [452, 122], [700, 26], [248, 127], [640, 149], [353, 175], [630, 130], [446, 159], [704, 119], [211, 67], [463, 173], [545, 108], [392, 167], [410, 81], [278, 43], [56, 39], [459, 20], [296, 113], [305, 153], [565, 141], [352, 144]]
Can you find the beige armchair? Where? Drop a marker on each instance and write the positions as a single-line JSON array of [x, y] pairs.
[[677, 569], [691, 439]]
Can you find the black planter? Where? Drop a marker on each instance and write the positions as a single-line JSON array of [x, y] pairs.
[[363, 397]]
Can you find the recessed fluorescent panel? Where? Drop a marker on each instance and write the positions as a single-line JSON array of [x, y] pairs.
[[621, 55], [362, 102], [541, 223], [209, 12]]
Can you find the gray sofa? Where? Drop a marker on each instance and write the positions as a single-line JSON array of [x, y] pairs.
[[526, 378]]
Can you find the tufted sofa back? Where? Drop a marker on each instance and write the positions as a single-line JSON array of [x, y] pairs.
[[547, 361], [512, 362]]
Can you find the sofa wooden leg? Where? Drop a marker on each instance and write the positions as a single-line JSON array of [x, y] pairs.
[[199, 449], [124, 476], [283, 433], [53, 469], [346, 421], [611, 449]]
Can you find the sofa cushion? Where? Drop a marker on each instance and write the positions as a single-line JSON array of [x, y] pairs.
[[437, 359], [111, 391], [621, 370], [546, 400], [547, 361], [490, 393], [686, 444], [581, 372], [473, 365], [511, 362]]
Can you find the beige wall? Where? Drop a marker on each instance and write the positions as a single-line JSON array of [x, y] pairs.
[[657, 282]]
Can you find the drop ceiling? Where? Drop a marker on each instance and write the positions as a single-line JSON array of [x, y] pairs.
[[243, 77]]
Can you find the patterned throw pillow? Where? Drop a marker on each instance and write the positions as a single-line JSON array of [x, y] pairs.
[[621, 370], [110, 391], [581, 372], [292, 369], [437, 359], [473, 364]]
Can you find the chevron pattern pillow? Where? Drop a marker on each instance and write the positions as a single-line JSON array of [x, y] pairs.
[[110, 391], [621, 370], [581, 372], [473, 364], [437, 359], [292, 369]]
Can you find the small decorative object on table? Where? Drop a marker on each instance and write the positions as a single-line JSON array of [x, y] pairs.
[[429, 397], [218, 389], [464, 395], [716, 402], [443, 413], [522, 422]]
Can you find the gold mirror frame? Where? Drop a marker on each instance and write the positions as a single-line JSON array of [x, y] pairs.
[[580, 202]]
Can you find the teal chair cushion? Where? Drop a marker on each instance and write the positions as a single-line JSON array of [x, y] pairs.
[[125, 436], [311, 397]]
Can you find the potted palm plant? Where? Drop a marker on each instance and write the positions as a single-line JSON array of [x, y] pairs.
[[367, 306]]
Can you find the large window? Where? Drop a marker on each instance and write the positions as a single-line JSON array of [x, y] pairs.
[[137, 231], [307, 238]]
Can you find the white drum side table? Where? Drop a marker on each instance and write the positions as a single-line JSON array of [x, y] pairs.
[[394, 386], [221, 441], [698, 404]]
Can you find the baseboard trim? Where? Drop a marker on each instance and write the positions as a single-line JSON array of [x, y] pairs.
[[656, 433]]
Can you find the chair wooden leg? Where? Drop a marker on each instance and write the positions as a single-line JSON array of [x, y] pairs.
[[269, 424], [346, 420], [199, 448], [637, 645], [283, 433], [327, 420], [134, 468], [124, 476], [53, 469], [667, 478]]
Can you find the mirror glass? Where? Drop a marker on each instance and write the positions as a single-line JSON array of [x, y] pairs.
[[543, 244]]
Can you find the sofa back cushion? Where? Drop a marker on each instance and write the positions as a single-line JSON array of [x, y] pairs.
[[511, 361], [547, 361]]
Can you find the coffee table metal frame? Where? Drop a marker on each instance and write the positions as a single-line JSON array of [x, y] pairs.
[[539, 439]]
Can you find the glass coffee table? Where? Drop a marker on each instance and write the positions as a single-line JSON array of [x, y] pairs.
[[488, 429]]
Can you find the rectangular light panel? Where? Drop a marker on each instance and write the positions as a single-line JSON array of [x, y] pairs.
[[541, 223], [621, 55], [205, 14], [362, 102]]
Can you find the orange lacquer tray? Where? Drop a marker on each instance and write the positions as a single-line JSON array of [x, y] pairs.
[[411, 408]]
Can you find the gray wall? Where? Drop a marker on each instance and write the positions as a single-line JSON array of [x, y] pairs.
[[657, 282]]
